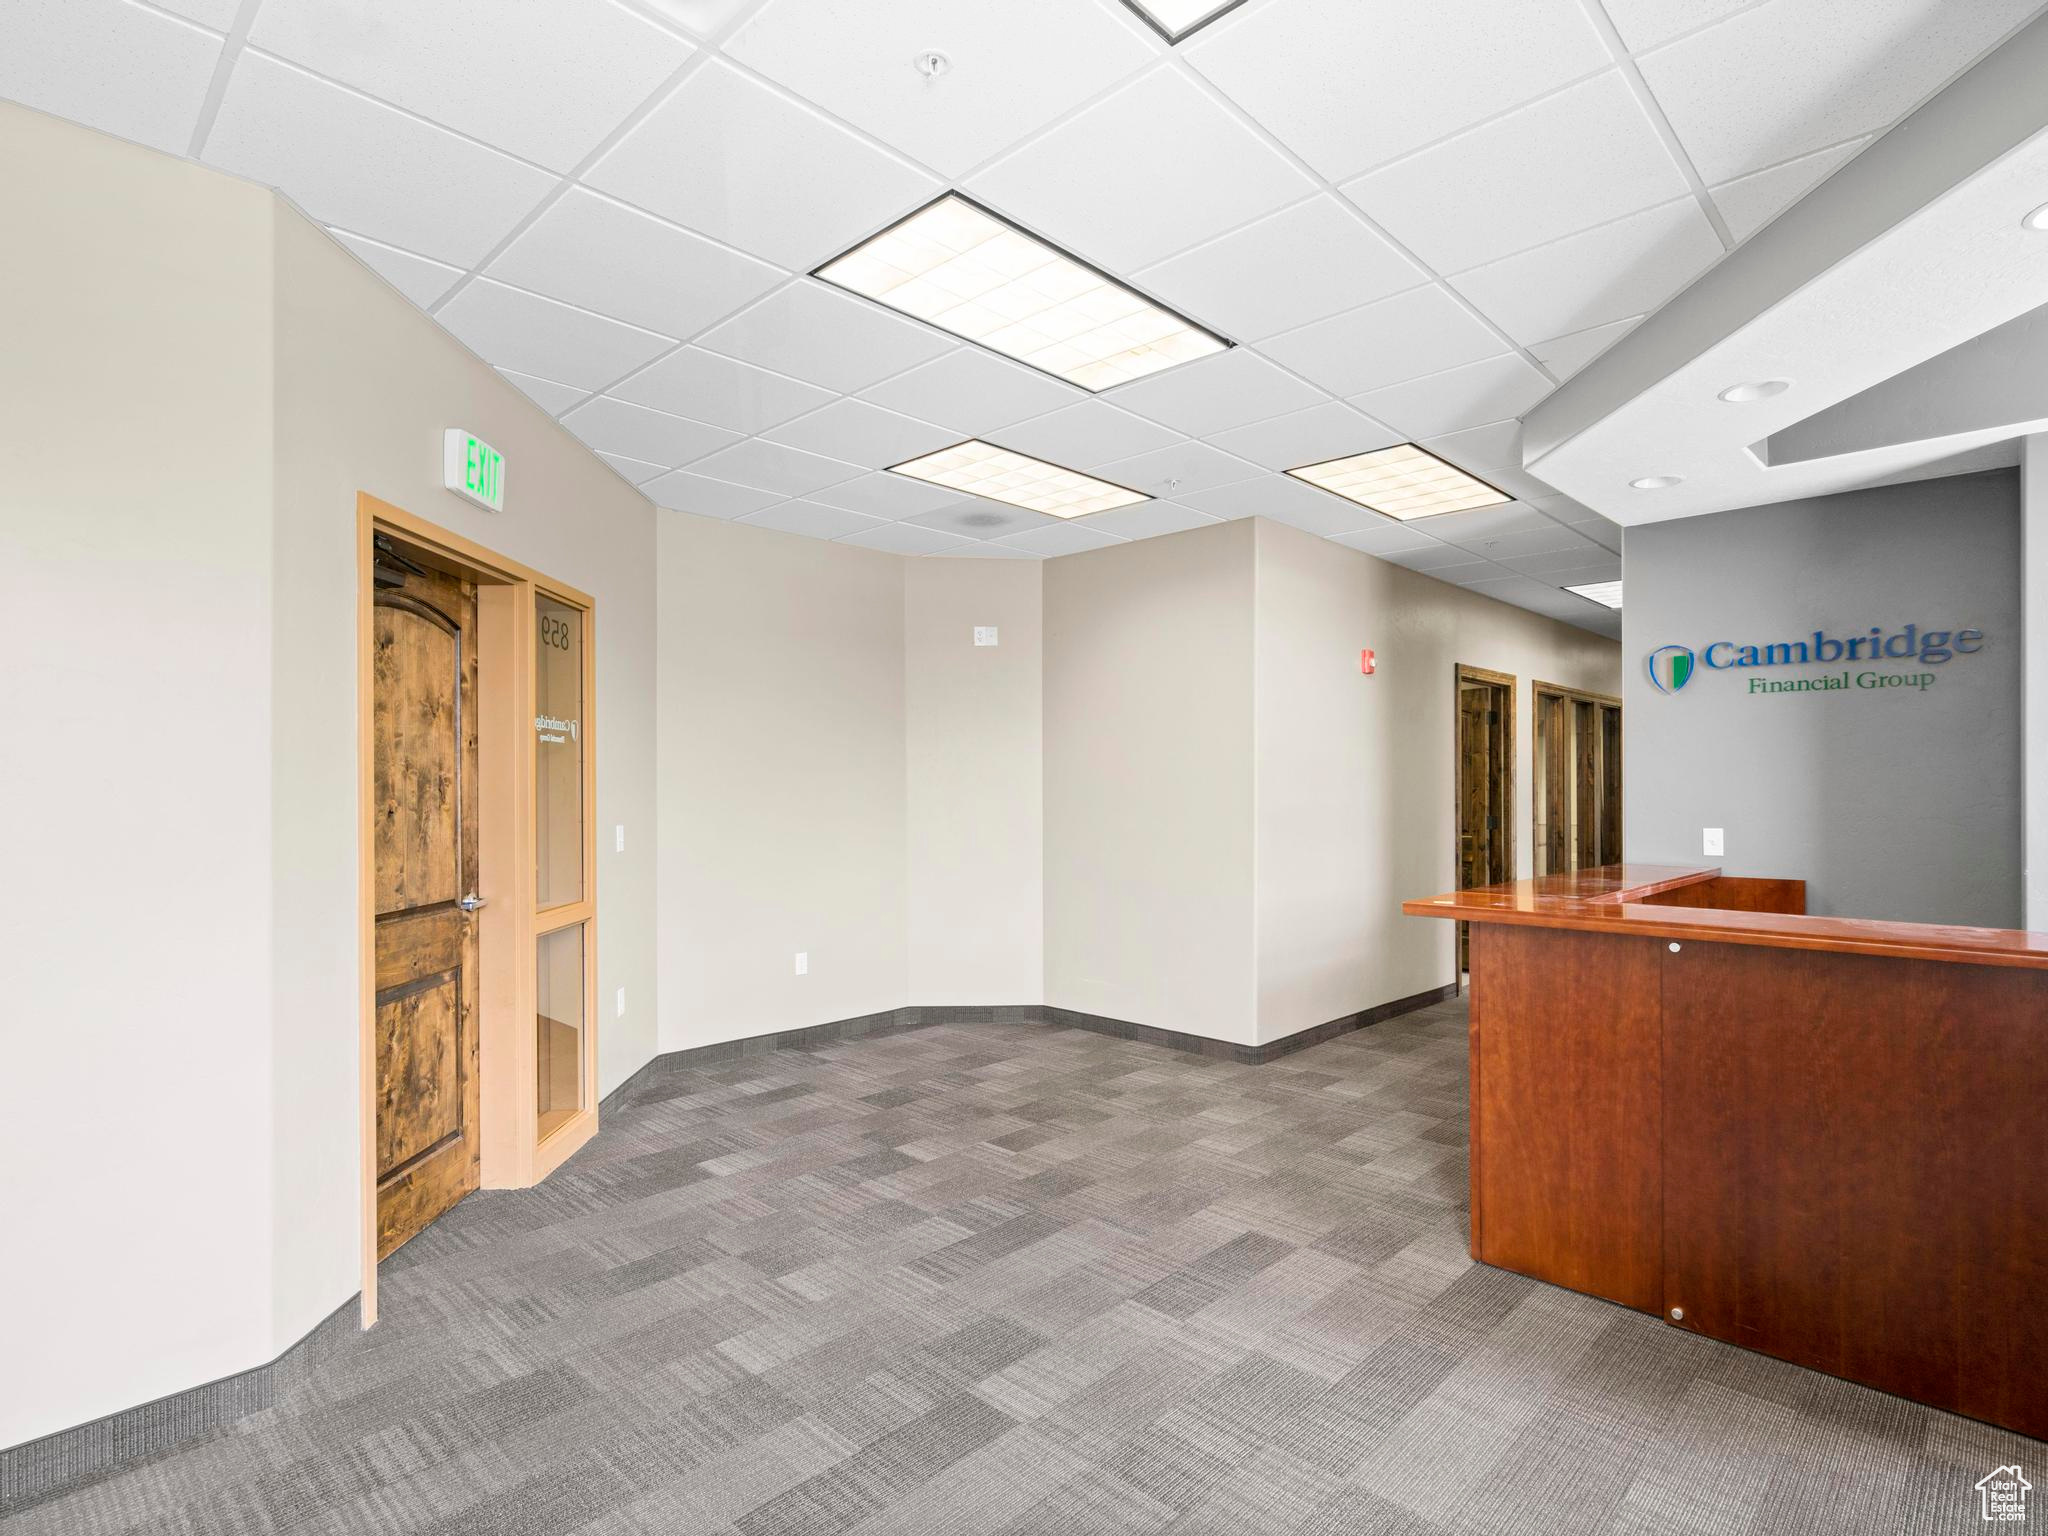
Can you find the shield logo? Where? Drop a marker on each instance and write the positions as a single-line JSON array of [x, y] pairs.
[[1671, 667]]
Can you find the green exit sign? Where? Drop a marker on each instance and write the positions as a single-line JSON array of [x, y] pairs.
[[472, 467]]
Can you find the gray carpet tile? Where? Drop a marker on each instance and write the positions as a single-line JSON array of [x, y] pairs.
[[1012, 1278]]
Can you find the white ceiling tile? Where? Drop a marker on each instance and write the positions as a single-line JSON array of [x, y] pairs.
[[618, 261], [1793, 76], [1066, 539], [1387, 539], [1300, 264], [546, 393], [1467, 396], [1588, 279], [421, 280], [118, 67], [808, 517], [1285, 499], [1566, 355], [1084, 435], [972, 392], [636, 470], [1216, 393], [1643, 24], [1014, 67], [1461, 567], [1349, 86], [1148, 520], [905, 539], [1313, 436], [1584, 561], [1595, 527], [772, 467], [978, 518], [1481, 575], [812, 332], [1177, 471], [217, 14], [707, 387], [1750, 202], [861, 433], [701, 17], [886, 495], [348, 161], [1149, 171], [1422, 331], [979, 549], [1493, 453], [544, 82], [614, 426], [1537, 541], [1470, 528], [1521, 591], [523, 331], [736, 160], [686, 492], [1575, 159]]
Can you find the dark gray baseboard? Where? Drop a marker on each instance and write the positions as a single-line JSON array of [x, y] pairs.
[[1247, 1055], [896, 1020], [42, 1469]]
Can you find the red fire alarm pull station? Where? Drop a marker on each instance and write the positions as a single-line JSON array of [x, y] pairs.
[[1365, 662]]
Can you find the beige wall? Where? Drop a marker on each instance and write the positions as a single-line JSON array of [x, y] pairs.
[[199, 387], [781, 668], [1149, 782], [135, 483], [1355, 807], [974, 756]]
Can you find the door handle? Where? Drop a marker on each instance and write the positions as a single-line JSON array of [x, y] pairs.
[[471, 902]]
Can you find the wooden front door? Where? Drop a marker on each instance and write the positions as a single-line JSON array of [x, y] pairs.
[[425, 863]]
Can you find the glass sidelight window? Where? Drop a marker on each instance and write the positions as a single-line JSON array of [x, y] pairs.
[[558, 1025], [558, 746]]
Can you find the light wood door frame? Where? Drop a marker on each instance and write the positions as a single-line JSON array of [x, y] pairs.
[[509, 924], [1592, 755], [1504, 775]]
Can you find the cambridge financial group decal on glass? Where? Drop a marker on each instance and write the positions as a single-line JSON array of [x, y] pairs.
[[1671, 667]]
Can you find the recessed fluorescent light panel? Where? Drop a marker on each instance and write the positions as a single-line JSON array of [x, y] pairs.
[[1176, 19], [959, 267], [1606, 593], [1403, 482], [982, 469]]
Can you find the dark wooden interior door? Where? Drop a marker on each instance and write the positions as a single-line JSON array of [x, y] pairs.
[[1484, 790], [424, 803]]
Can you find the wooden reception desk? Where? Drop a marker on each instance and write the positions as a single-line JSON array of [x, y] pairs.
[[1822, 1138]]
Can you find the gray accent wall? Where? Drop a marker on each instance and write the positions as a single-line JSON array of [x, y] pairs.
[[1896, 803]]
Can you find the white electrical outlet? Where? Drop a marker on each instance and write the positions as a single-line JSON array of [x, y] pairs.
[[803, 962], [1713, 842], [984, 634], [619, 839], [619, 1009]]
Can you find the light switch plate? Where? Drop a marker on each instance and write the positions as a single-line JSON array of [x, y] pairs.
[[1713, 842], [619, 1011], [619, 839], [803, 962]]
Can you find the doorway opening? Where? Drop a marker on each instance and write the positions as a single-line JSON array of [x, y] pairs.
[[477, 840], [1485, 757], [1575, 807]]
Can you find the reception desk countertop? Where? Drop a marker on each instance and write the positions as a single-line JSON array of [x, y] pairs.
[[1670, 902]]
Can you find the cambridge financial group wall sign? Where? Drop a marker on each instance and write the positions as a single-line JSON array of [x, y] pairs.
[[1673, 666]]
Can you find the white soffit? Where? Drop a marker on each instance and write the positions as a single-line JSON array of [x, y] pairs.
[[1912, 247]]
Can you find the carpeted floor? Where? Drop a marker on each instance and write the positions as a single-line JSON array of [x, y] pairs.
[[1010, 1279]]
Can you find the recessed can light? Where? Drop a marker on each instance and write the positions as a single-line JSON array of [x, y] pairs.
[[1762, 389], [1656, 482], [2038, 219]]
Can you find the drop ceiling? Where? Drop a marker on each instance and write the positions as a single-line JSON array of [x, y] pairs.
[[1413, 220]]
